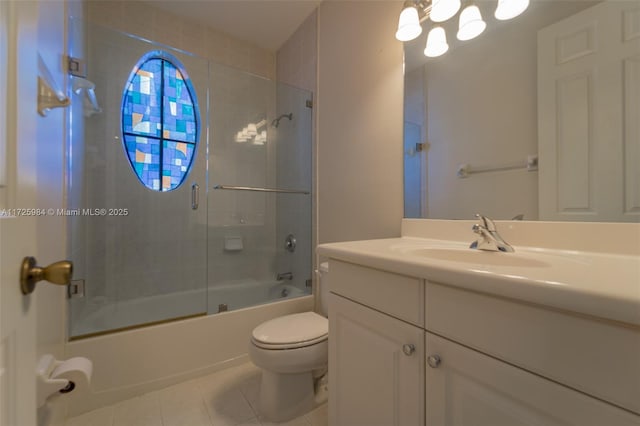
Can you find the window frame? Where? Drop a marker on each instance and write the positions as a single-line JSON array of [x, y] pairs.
[[165, 57]]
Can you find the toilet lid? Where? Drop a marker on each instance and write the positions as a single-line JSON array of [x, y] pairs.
[[296, 329]]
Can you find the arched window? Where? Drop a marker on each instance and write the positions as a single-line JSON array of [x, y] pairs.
[[160, 121]]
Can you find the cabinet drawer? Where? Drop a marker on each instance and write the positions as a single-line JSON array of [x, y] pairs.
[[599, 358], [396, 295]]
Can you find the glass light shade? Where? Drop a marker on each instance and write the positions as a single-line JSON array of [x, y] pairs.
[[508, 9], [409, 24], [240, 137], [436, 42], [444, 9], [261, 138], [252, 130], [471, 24]]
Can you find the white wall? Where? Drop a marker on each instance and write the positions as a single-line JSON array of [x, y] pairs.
[[297, 59], [359, 134]]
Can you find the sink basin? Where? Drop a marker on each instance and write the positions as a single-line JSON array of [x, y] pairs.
[[478, 257]]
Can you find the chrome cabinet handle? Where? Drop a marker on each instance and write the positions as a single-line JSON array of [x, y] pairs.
[[434, 361], [195, 196], [408, 349]]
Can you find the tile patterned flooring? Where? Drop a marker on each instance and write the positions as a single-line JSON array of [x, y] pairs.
[[225, 398]]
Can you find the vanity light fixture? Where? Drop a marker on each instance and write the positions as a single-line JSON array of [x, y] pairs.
[[443, 10], [471, 24], [436, 43], [508, 9], [409, 24]]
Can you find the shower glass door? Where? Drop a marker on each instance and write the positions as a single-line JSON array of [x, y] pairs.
[[259, 241], [137, 157]]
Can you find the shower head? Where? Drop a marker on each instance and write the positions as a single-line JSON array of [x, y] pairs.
[[275, 123]]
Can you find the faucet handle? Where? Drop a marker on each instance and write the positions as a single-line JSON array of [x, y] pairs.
[[488, 223]]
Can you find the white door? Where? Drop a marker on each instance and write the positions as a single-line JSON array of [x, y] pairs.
[[25, 138], [373, 381], [467, 388], [589, 115]]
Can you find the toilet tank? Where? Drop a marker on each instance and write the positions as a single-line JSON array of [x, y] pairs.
[[323, 286]]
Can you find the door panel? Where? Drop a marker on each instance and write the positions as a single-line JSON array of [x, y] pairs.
[[588, 132], [372, 381], [18, 220], [471, 389]]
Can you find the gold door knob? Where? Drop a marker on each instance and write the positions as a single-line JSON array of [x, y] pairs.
[[56, 273]]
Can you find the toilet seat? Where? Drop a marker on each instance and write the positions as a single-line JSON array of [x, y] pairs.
[[291, 331]]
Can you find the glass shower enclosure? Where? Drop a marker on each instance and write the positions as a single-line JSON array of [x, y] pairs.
[[235, 232]]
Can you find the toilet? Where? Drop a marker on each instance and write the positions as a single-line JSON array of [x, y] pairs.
[[292, 352]]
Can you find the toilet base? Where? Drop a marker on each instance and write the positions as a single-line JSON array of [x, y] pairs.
[[286, 396]]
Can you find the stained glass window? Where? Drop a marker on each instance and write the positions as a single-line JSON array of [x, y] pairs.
[[160, 121]]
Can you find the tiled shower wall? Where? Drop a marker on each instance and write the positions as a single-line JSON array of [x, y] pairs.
[[152, 23], [296, 60], [249, 216], [296, 63]]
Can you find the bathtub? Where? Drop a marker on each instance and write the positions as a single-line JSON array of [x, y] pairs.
[[102, 315], [132, 362], [240, 294]]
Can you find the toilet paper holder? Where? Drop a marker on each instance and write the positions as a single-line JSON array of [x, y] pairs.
[[51, 373]]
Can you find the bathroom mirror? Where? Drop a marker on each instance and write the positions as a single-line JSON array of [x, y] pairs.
[[536, 118]]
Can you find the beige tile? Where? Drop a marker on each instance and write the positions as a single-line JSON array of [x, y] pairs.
[[251, 422], [185, 394], [106, 13], [228, 407], [223, 397], [319, 416], [194, 38], [138, 19], [271, 67], [298, 421], [167, 28], [187, 415], [140, 411], [250, 388], [100, 417], [216, 46], [238, 54]]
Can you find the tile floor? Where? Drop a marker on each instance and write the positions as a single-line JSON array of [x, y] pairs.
[[226, 398]]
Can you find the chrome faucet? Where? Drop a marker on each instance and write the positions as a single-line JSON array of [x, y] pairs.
[[284, 276], [489, 239]]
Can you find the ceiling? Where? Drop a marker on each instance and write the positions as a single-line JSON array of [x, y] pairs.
[[265, 23]]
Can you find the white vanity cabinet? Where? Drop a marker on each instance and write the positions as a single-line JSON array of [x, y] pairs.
[[470, 359], [468, 388], [376, 361], [376, 368]]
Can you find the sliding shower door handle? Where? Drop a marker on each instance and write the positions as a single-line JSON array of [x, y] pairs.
[[195, 196]]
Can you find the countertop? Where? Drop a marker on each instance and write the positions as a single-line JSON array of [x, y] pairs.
[[602, 285]]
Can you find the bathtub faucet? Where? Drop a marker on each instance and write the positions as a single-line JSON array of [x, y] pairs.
[[285, 276]]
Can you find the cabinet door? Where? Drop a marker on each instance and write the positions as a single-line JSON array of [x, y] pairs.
[[372, 380], [468, 388]]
